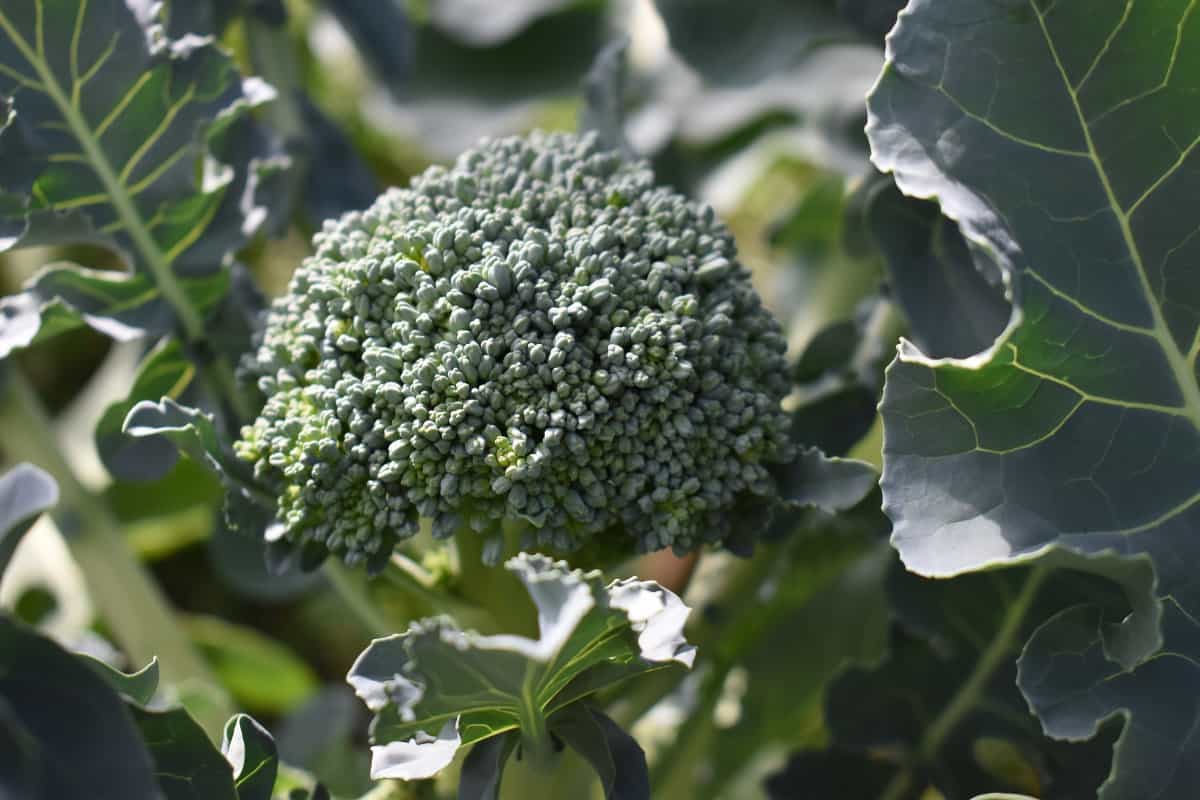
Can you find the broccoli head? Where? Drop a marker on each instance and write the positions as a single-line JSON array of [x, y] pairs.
[[538, 336]]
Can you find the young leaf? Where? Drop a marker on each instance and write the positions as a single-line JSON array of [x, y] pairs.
[[138, 687], [194, 433], [436, 688], [251, 751], [89, 745], [26, 492], [164, 372], [1079, 430]]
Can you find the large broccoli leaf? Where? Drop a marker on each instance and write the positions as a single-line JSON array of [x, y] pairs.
[[85, 729], [80, 737], [118, 136], [436, 688], [942, 710], [1062, 137]]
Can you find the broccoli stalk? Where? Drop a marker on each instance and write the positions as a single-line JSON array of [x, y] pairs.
[[537, 336]]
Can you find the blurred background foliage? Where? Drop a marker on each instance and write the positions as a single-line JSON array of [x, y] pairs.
[[754, 107]]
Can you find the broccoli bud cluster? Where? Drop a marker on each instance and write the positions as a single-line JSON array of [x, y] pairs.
[[536, 336]]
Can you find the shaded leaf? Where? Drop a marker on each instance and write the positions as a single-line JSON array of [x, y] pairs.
[[952, 308], [604, 96], [931, 716], [337, 180], [384, 36], [743, 43], [872, 18], [1079, 431], [1074, 687], [830, 484], [20, 770], [830, 773], [239, 557], [615, 755], [436, 688], [88, 743], [484, 766], [26, 492], [186, 764], [830, 350]]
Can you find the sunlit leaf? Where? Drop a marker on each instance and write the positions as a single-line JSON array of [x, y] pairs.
[[436, 688], [1079, 431]]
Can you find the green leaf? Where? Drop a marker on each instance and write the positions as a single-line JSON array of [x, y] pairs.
[[952, 308], [436, 688], [251, 750], [483, 767], [20, 770], [604, 96], [186, 765], [26, 492], [164, 372], [830, 484], [110, 132], [943, 710], [261, 673], [138, 687], [738, 44], [382, 31], [123, 307], [482, 23], [89, 745], [1079, 431], [615, 755], [1072, 685], [194, 432]]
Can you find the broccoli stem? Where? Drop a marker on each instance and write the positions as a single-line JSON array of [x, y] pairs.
[[126, 597], [354, 596], [537, 748]]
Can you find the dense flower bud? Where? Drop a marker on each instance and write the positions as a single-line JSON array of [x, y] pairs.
[[539, 335]]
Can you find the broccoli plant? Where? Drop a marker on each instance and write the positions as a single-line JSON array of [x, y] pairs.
[[656, 434]]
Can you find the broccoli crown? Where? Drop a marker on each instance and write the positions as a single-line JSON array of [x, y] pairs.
[[538, 336]]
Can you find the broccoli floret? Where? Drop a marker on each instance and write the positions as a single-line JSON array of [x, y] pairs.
[[536, 336]]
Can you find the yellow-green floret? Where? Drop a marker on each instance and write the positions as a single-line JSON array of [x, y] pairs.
[[536, 336]]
